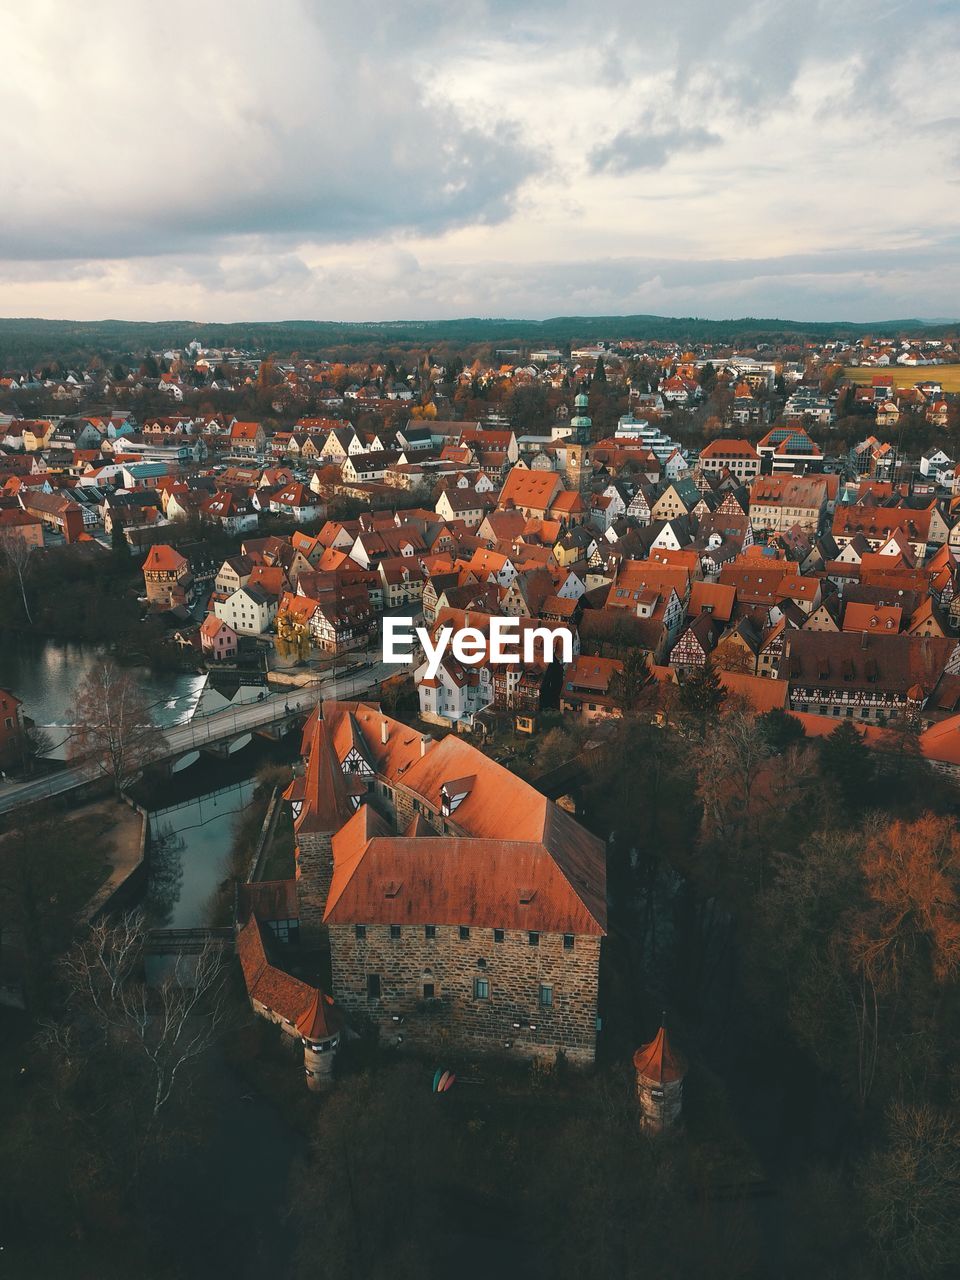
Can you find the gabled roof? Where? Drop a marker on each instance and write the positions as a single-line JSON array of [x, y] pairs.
[[307, 1008], [508, 884]]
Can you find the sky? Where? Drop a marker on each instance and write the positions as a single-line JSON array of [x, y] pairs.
[[304, 159]]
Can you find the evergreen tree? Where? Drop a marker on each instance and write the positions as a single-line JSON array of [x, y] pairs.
[[701, 697], [599, 372], [780, 729], [118, 540], [846, 762]]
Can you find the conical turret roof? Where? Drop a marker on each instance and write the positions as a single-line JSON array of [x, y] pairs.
[[658, 1061], [326, 805]]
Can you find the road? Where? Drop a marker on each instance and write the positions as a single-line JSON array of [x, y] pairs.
[[180, 739]]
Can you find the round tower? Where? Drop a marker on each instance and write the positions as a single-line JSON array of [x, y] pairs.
[[319, 1027], [660, 1071]]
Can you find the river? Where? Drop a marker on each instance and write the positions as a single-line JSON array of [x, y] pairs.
[[44, 675], [190, 857], [193, 814]]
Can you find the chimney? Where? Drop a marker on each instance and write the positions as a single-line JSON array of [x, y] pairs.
[[423, 745], [384, 732]]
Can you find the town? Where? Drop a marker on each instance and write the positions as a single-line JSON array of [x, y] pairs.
[[704, 850]]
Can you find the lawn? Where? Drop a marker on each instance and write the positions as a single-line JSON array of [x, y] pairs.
[[948, 375]]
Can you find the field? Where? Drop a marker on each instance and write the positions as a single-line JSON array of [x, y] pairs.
[[948, 375]]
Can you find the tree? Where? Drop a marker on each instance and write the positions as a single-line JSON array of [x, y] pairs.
[[17, 554], [912, 914], [845, 761], [112, 725], [632, 679], [118, 540], [911, 1185], [781, 730], [167, 1026], [701, 697], [599, 371]]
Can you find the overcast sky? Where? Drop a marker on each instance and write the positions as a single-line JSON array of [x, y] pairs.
[[390, 159]]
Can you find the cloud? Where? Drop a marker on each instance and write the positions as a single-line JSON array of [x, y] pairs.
[[642, 148], [124, 136], [238, 160]]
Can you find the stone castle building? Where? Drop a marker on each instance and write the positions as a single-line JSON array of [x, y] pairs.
[[462, 907]]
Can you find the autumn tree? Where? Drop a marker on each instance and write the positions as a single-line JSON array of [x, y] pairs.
[[112, 725]]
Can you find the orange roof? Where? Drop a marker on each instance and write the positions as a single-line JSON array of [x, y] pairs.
[[592, 673], [212, 626], [658, 1061], [799, 588], [526, 488], [762, 694], [870, 617], [501, 807], [716, 596], [305, 1007], [729, 448], [326, 804], [160, 557], [506, 884], [567, 500], [941, 742]]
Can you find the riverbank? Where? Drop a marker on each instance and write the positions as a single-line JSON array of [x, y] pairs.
[[126, 831]]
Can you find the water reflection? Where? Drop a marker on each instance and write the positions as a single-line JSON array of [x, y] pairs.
[[45, 675], [190, 854]]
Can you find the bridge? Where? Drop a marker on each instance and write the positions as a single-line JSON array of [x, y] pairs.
[[225, 730], [188, 942]]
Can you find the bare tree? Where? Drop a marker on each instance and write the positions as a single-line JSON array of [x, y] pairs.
[[112, 724], [168, 1025], [17, 553]]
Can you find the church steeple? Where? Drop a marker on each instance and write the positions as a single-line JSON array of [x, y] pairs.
[[581, 422], [578, 465]]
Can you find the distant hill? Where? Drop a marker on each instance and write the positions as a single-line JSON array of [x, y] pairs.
[[26, 341]]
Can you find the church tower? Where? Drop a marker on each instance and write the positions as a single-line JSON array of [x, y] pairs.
[[325, 808], [579, 468]]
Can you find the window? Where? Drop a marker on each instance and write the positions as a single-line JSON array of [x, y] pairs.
[[373, 986], [360, 931], [429, 990], [429, 930], [481, 988], [533, 939], [546, 995], [464, 932], [568, 942], [394, 931], [498, 935]]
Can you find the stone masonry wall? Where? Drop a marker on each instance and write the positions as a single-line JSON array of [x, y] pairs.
[[314, 873], [514, 969]]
